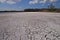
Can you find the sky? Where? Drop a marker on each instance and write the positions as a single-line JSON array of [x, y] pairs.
[[25, 4]]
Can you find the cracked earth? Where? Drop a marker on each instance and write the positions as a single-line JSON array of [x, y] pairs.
[[30, 26]]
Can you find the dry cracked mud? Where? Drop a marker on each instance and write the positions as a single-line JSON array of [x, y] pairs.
[[30, 26]]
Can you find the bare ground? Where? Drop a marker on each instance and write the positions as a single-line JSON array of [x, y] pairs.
[[30, 26]]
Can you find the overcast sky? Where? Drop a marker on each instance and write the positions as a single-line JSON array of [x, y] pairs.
[[22, 4]]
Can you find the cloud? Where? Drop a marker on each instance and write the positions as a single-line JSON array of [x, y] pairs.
[[2, 1], [9, 1], [41, 1], [53, 0], [33, 2]]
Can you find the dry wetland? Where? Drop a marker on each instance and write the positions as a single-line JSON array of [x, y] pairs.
[[30, 26]]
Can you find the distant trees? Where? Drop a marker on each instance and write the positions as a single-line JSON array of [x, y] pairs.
[[51, 7], [31, 10]]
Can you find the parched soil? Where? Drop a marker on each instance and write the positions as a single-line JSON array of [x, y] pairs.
[[30, 26]]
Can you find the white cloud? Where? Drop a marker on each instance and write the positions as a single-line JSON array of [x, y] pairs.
[[33, 2], [9, 1], [41, 1]]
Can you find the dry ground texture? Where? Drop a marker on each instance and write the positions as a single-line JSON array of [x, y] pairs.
[[30, 26]]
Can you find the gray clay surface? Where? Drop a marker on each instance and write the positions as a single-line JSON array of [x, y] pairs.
[[30, 26]]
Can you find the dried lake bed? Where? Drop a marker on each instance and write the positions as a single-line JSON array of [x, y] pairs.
[[30, 26]]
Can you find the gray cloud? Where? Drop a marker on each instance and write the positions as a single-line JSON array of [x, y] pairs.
[[2, 1]]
